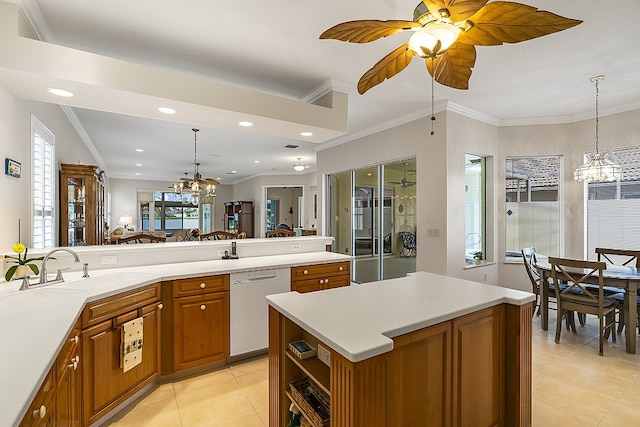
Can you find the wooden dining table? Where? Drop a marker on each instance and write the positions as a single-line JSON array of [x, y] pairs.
[[622, 277]]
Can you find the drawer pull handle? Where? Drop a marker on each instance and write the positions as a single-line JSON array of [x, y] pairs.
[[39, 413], [341, 269], [74, 363], [202, 307], [160, 306], [305, 272], [74, 340], [202, 286], [321, 282], [326, 280]]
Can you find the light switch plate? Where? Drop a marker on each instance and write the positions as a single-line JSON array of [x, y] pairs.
[[324, 355]]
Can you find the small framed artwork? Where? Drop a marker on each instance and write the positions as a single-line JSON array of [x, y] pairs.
[[12, 168]]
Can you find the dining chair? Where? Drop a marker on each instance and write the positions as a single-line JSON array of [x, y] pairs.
[[218, 235], [624, 257], [576, 296], [529, 259], [242, 235], [281, 233]]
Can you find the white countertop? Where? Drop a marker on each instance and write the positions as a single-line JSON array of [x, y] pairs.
[[35, 323], [360, 321]]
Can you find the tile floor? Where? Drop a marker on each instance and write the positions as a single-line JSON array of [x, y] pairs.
[[572, 386]]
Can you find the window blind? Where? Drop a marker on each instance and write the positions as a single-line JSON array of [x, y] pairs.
[[43, 184]]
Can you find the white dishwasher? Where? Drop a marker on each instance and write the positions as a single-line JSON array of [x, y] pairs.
[[249, 314]]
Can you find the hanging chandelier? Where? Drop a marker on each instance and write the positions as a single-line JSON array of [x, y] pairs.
[[199, 189], [598, 168], [299, 166]]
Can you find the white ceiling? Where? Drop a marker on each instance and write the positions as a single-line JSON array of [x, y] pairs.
[[273, 47]]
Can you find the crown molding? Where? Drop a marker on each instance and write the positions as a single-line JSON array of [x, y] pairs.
[[326, 87], [84, 136], [32, 13]]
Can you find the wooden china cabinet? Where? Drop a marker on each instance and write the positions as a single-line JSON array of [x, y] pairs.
[[82, 205]]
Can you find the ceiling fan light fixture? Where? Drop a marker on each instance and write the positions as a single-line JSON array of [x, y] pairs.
[[433, 39], [598, 167]]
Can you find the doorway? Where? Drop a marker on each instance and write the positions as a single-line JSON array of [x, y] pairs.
[[282, 207]]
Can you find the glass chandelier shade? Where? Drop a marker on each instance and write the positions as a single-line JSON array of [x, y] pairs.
[[433, 39], [198, 187], [598, 167], [299, 167]]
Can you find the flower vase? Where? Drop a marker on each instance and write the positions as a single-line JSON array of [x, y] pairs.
[[21, 272]]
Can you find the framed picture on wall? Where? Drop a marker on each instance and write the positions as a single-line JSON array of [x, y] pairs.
[[12, 168]]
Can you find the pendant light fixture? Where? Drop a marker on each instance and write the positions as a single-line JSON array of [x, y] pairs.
[[200, 188], [299, 167], [598, 168]]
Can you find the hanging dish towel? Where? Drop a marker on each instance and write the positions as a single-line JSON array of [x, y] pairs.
[[132, 343]]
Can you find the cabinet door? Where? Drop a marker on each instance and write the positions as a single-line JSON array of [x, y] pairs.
[[41, 413], [201, 330], [478, 368], [104, 383], [418, 378], [68, 388], [304, 286]]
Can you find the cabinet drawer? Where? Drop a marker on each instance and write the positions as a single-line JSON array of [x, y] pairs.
[[108, 308], [321, 283], [320, 270], [40, 412], [200, 285]]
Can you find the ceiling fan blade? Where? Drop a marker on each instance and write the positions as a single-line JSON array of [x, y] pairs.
[[506, 22], [386, 68], [210, 181], [459, 10], [365, 31], [453, 68]]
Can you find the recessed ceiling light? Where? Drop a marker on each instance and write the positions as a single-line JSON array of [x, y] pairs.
[[139, 150], [232, 172], [306, 133], [60, 92], [137, 173], [256, 161], [245, 124], [167, 110], [138, 164]]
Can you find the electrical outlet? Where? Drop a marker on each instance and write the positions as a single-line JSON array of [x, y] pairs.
[[324, 355], [295, 248], [109, 259], [220, 252]]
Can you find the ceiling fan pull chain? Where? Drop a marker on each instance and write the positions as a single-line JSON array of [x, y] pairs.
[[433, 116]]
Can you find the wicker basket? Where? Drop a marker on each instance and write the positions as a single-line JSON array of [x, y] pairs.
[[313, 401]]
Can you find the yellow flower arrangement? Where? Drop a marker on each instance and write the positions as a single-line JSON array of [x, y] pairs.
[[19, 248]]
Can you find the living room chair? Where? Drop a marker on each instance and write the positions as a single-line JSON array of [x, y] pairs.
[[408, 248], [576, 296]]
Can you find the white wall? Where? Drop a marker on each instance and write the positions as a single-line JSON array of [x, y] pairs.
[[571, 141], [15, 143], [408, 140]]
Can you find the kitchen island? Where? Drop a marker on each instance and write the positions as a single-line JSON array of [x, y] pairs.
[[40, 321], [421, 350]]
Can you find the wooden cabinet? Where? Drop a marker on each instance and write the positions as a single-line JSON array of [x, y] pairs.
[[451, 374], [57, 402], [104, 383], [317, 277], [82, 205], [200, 322], [238, 217]]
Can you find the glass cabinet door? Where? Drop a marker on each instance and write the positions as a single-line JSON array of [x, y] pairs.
[[76, 193]]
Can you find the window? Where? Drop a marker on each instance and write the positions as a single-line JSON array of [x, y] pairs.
[[532, 205], [475, 211], [613, 208], [171, 212], [42, 183]]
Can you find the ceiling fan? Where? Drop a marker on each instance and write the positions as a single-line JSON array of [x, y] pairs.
[[404, 182], [197, 186], [446, 33]]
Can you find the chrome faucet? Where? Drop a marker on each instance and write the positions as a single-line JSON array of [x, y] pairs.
[[43, 270]]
